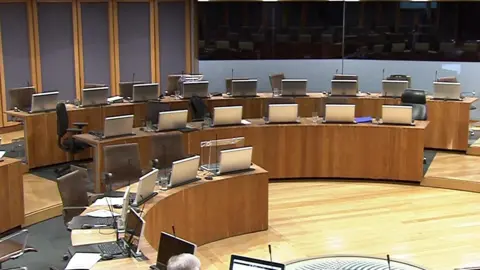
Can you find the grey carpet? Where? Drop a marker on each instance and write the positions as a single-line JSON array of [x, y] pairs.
[[51, 239], [429, 155]]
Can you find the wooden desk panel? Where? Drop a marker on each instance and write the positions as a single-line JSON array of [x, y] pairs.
[[11, 194], [202, 212], [448, 127]]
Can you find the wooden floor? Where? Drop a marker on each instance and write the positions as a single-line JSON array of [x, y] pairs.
[[41, 197], [8, 137], [435, 228]]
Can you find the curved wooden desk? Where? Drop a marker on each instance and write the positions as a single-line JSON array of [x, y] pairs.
[[202, 212], [305, 150], [448, 128]]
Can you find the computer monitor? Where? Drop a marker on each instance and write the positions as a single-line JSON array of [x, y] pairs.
[[94, 85], [282, 113], [345, 77], [146, 186], [195, 88], [245, 263], [236, 159], [229, 115], [44, 102], [95, 96], [153, 110], [244, 88], [145, 92], [21, 98], [170, 246], [228, 83], [133, 231], [344, 87], [294, 87], [118, 126], [126, 89], [184, 171], [172, 120]]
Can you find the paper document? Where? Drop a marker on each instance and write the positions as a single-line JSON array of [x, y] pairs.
[[102, 214], [83, 261], [245, 122], [2, 153], [108, 201]]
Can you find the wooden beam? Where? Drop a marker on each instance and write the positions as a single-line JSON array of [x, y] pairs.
[[188, 36], [37, 45], [31, 41], [116, 45], [112, 46], [157, 45], [77, 48]]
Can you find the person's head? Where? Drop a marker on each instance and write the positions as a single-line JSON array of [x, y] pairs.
[[183, 261]]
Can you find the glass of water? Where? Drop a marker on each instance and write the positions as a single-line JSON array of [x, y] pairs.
[[315, 117], [276, 92], [177, 94], [163, 182], [207, 121]]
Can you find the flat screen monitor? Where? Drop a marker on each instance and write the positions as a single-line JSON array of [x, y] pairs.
[[172, 246], [21, 98], [245, 263]]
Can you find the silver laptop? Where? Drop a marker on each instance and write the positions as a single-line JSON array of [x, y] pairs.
[[125, 206], [294, 87], [172, 120], [145, 92], [145, 188], [95, 96], [244, 88], [447, 90], [345, 77], [236, 159], [344, 87], [184, 171], [118, 126], [44, 102], [230, 115], [398, 115], [339, 113], [283, 113], [195, 88], [393, 88]]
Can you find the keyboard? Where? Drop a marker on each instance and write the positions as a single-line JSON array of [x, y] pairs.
[[98, 134], [101, 221], [112, 248]]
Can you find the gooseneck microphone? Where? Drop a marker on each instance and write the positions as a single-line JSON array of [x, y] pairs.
[[270, 251], [388, 262], [133, 77], [383, 74], [436, 75], [173, 231]]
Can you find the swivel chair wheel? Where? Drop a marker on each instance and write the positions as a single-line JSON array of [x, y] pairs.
[[65, 257], [424, 160]]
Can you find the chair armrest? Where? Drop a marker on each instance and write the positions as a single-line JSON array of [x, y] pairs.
[[75, 130], [92, 197], [80, 124]]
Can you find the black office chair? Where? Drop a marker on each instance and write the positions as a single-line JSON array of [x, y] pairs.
[[418, 100], [68, 144], [199, 108]]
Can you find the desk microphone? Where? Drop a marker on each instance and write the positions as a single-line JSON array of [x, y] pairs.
[[173, 231], [436, 75], [270, 251], [133, 77], [336, 71], [388, 262], [383, 74]]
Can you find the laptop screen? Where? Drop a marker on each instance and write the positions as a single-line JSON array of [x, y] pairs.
[[245, 263], [133, 230], [171, 246]]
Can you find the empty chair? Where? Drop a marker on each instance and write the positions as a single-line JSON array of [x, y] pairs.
[[73, 192], [13, 246], [276, 80], [122, 165], [278, 100], [167, 148], [417, 99], [199, 108], [68, 144]]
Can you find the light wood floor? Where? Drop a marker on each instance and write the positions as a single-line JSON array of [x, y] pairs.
[[41, 197], [436, 228], [8, 137]]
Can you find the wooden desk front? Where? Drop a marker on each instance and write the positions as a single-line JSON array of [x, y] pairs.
[[11, 194], [448, 128], [202, 212], [305, 150]]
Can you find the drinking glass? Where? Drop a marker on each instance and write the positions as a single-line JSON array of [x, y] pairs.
[[315, 117], [177, 94], [276, 92], [163, 182]]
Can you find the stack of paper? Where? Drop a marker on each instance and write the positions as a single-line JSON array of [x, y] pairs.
[[102, 214], [108, 201], [81, 261]]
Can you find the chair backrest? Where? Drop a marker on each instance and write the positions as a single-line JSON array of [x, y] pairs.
[[73, 192], [277, 100], [167, 148], [276, 80], [123, 162], [62, 120], [199, 108], [13, 245], [414, 96]]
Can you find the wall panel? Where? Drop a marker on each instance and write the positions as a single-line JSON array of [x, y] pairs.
[[95, 40], [134, 41], [15, 47], [55, 30], [171, 20]]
